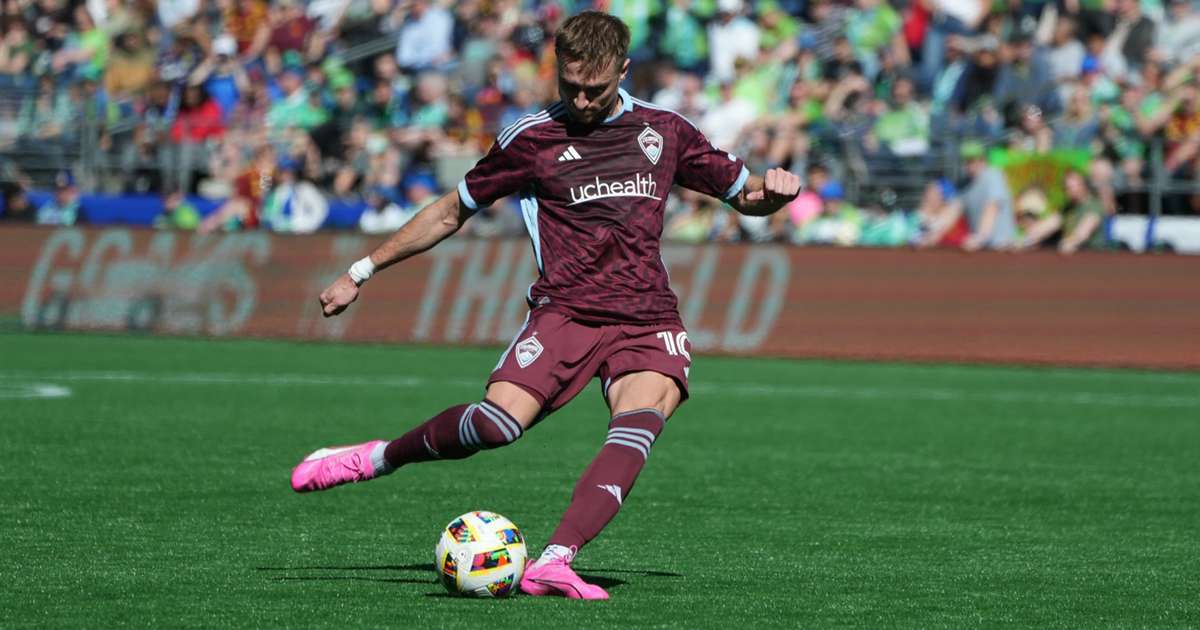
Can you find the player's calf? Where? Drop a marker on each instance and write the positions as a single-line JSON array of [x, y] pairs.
[[456, 433], [607, 482]]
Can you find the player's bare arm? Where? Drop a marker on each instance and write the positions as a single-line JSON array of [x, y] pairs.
[[765, 195], [430, 226]]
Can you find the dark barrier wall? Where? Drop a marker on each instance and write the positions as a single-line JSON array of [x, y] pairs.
[[1096, 309]]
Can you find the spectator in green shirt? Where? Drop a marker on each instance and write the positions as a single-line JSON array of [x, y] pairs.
[[1083, 218], [872, 26], [296, 108], [904, 129], [776, 27], [684, 40], [86, 50]]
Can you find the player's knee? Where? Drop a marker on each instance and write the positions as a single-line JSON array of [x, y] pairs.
[[488, 425], [644, 390], [637, 429]]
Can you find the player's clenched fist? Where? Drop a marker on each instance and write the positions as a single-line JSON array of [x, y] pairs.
[[338, 296], [779, 188]]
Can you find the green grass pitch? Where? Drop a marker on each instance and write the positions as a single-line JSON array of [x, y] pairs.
[[151, 488]]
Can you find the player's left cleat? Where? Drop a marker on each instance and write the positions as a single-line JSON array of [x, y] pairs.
[[555, 577], [334, 466]]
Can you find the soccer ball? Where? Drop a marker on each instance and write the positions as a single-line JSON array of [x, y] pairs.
[[480, 554]]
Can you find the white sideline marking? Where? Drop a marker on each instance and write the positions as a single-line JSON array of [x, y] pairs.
[[9, 391], [1085, 398]]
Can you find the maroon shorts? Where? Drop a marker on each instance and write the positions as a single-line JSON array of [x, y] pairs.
[[553, 357]]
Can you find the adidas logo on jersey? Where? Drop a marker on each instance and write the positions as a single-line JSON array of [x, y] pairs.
[[570, 154]]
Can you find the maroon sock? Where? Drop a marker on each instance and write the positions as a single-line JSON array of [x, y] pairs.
[[456, 433], [609, 478]]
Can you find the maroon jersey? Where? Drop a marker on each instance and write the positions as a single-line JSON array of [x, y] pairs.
[[593, 198]]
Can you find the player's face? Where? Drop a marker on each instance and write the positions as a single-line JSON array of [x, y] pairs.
[[590, 98]]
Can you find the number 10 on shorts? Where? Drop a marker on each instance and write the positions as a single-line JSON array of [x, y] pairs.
[[675, 343]]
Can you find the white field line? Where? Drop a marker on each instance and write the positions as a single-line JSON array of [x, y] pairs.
[[10, 391], [764, 390]]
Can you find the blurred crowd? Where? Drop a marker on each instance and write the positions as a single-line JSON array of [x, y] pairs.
[[386, 102]]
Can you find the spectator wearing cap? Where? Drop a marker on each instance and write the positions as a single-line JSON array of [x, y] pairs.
[[839, 223], [425, 39], [63, 207], [222, 76], [295, 108], [985, 201], [1024, 78], [420, 189]]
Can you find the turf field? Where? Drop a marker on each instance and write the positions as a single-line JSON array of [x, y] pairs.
[[147, 483]]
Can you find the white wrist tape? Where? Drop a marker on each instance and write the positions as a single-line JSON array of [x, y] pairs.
[[362, 270]]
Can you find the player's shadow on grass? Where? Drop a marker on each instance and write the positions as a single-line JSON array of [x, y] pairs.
[[639, 572], [340, 571], [426, 566], [606, 583]]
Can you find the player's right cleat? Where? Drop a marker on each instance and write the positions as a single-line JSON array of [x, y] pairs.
[[554, 576], [334, 466]]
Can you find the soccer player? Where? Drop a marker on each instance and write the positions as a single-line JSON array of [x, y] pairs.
[[593, 172]]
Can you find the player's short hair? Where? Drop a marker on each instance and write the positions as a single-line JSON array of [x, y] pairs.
[[594, 39]]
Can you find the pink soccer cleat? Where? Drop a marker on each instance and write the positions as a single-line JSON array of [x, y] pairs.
[[554, 576], [330, 467]]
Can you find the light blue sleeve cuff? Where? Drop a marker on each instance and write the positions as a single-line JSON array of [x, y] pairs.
[[465, 195], [738, 183]]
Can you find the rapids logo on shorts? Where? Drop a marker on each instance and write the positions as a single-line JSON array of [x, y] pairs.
[[528, 351], [651, 143]]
